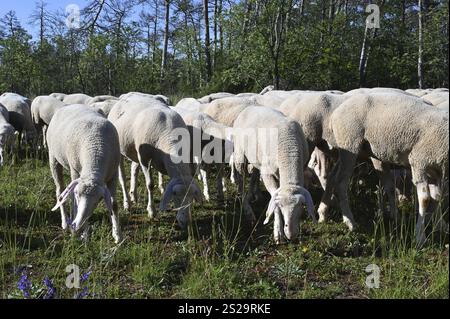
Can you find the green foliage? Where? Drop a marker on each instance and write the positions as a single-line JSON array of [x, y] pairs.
[[297, 44]]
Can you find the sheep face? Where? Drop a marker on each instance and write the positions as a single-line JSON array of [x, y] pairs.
[[287, 205], [182, 193], [182, 197], [289, 209], [87, 196]]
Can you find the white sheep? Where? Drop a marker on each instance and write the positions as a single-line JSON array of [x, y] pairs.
[[42, 110], [148, 133], [312, 111], [87, 145], [266, 140], [6, 131], [208, 136], [19, 115], [395, 129]]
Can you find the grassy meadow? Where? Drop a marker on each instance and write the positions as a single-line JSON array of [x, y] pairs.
[[219, 257]]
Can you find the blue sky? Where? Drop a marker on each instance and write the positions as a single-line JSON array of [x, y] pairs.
[[24, 8]]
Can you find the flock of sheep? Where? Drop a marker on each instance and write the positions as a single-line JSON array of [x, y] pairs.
[[324, 132]]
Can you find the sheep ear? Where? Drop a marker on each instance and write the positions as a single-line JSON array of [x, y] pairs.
[[108, 199], [305, 197], [65, 194], [270, 210], [272, 205]]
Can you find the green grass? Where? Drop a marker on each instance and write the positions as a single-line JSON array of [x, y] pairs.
[[220, 257]]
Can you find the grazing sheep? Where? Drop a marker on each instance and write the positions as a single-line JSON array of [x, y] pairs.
[[6, 131], [19, 115], [280, 162], [395, 129], [58, 96], [312, 111], [77, 98], [148, 133], [86, 144], [208, 133], [42, 110]]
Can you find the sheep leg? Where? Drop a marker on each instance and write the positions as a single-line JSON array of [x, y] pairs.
[[387, 183], [160, 183], [116, 231], [233, 171], [423, 195], [203, 175], [149, 183], [73, 213], [248, 211], [122, 181], [57, 174], [220, 184], [346, 165], [133, 182], [319, 162], [255, 193], [44, 137]]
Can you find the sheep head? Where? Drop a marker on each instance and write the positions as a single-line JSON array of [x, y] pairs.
[[288, 203], [183, 194], [87, 195]]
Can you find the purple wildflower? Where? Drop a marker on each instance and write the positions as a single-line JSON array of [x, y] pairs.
[[51, 290], [85, 276], [24, 284], [83, 293]]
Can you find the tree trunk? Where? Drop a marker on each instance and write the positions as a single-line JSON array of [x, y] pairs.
[[207, 42], [420, 57], [166, 38], [221, 24], [216, 22], [362, 58]]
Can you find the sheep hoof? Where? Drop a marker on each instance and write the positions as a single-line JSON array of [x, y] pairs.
[[351, 225], [117, 237], [322, 218], [151, 212], [133, 198]]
